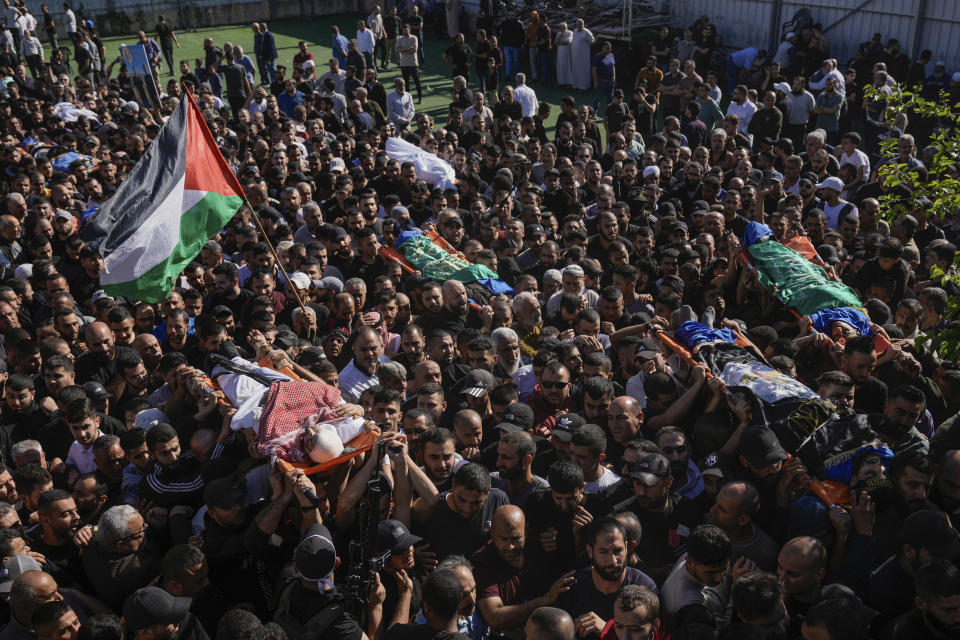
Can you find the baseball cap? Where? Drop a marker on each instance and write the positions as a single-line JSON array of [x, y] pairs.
[[831, 183], [652, 170], [224, 493], [149, 418], [337, 164], [96, 391], [648, 349], [15, 567], [477, 383], [535, 230], [781, 86], [300, 279], [453, 219], [567, 425], [517, 417], [711, 466], [930, 530], [395, 536], [760, 446], [316, 556], [151, 605], [330, 283], [99, 295], [650, 468]]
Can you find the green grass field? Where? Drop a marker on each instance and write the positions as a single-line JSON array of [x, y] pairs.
[[316, 33]]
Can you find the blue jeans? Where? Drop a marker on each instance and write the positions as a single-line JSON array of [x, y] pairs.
[[543, 65], [419, 48], [604, 90], [511, 57]]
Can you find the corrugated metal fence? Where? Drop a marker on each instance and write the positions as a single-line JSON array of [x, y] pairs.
[[918, 24]]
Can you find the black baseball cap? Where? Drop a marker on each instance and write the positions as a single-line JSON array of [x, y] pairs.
[[150, 606], [395, 536], [930, 530], [316, 556], [567, 425], [650, 468], [96, 391], [517, 417], [760, 446], [224, 493]]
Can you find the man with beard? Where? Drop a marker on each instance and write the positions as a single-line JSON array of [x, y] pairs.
[[457, 314], [361, 373], [551, 398], [625, 421], [505, 594], [53, 536], [666, 517], [175, 480], [441, 348], [508, 358], [514, 476], [99, 363], [946, 486], [91, 497], [590, 600], [686, 476], [588, 447], [411, 348], [698, 586], [440, 457], [927, 535], [912, 478], [528, 322], [557, 516], [937, 614]]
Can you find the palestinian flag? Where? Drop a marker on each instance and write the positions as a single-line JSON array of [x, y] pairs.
[[179, 195]]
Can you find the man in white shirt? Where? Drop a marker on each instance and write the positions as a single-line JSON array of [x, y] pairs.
[[833, 207], [361, 373], [366, 43], [70, 22], [526, 96], [400, 109], [742, 108], [338, 75], [479, 108]]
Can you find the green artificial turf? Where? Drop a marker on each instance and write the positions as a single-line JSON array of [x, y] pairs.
[[316, 33]]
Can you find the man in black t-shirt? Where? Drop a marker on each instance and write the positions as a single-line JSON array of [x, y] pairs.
[[167, 38], [666, 518]]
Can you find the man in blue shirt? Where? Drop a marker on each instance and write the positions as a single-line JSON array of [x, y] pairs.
[[604, 76], [290, 98], [340, 47]]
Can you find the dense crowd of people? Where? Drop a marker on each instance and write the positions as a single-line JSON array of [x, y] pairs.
[[551, 468]]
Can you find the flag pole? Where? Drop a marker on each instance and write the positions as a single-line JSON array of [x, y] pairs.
[[291, 284]]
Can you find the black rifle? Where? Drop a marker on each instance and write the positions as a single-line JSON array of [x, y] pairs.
[[366, 559]]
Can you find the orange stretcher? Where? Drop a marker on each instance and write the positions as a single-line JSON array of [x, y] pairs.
[[361, 444]]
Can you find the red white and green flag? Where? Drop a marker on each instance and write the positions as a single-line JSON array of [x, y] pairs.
[[178, 196]]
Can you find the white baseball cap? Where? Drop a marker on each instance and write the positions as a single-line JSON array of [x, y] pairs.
[[831, 183]]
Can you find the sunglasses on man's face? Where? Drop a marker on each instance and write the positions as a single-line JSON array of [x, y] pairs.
[[551, 384]]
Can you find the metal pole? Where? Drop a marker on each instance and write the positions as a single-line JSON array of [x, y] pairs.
[[916, 31]]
